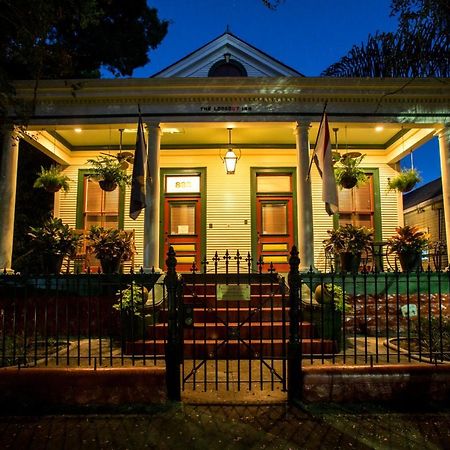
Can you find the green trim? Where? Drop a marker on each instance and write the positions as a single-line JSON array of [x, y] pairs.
[[396, 137], [80, 197], [174, 171], [254, 171]]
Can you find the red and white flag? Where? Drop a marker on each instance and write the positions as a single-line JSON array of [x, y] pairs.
[[324, 161]]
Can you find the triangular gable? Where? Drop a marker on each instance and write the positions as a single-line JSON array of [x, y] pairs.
[[255, 62]]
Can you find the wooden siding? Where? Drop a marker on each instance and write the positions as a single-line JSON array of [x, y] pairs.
[[204, 70], [228, 209]]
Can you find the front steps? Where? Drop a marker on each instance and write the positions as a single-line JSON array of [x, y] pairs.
[[254, 328]]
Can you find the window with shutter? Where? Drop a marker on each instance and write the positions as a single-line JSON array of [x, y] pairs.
[[357, 205], [100, 207]]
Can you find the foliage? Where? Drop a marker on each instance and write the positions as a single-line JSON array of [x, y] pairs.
[[50, 39], [33, 206], [52, 177], [408, 239], [132, 299], [110, 243], [54, 237], [434, 332], [413, 12], [333, 293], [419, 47], [349, 167], [272, 4], [405, 180], [348, 239], [74, 39], [109, 168]]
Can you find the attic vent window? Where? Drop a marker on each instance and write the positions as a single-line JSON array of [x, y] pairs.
[[227, 67]]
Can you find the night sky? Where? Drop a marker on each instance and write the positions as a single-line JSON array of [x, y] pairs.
[[306, 35]]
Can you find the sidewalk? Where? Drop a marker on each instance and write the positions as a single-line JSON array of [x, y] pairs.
[[245, 426]]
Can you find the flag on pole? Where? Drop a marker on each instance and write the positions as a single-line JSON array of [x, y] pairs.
[[137, 199], [324, 161]]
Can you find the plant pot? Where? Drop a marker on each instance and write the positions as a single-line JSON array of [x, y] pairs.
[[322, 295], [110, 265], [349, 262], [136, 327], [407, 187], [107, 185], [348, 181], [53, 187], [410, 261], [51, 263], [327, 323]]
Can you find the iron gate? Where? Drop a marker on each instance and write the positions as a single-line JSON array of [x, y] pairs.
[[235, 326]]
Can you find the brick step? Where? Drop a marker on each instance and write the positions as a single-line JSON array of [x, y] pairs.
[[233, 314], [254, 331], [231, 278], [255, 300], [255, 289], [232, 349]]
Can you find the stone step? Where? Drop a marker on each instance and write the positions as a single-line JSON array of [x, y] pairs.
[[234, 314], [249, 330], [232, 348]]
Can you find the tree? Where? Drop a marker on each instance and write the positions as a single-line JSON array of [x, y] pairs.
[[43, 39], [272, 4], [419, 48], [412, 12]]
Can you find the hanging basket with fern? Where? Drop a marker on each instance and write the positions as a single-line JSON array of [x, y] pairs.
[[404, 181], [108, 171]]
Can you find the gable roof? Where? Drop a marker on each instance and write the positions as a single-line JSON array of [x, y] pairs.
[[256, 62]]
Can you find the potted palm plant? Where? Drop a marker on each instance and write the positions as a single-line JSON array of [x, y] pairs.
[[52, 179], [348, 173], [405, 180], [52, 242], [111, 247], [109, 172], [347, 243], [409, 243]]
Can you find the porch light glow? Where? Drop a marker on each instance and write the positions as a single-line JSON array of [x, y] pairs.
[[230, 159]]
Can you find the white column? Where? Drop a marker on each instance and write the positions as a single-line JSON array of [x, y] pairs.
[[444, 151], [8, 182], [304, 202], [151, 211]]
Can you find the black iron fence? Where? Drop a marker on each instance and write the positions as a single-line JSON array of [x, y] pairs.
[[82, 320], [257, 317]]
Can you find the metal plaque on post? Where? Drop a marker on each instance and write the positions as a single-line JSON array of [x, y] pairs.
[[233, 292]]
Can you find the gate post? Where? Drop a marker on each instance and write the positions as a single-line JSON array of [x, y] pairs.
[[173, 347], [294, 345]]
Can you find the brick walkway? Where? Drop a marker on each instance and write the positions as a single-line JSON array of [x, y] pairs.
[[245, 426]]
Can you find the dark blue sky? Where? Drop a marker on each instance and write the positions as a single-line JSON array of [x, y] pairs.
[[306, 35]]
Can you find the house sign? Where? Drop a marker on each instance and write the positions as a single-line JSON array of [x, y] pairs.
[[224, 108]]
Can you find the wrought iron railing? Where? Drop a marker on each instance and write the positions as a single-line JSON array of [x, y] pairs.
[[81, 320]]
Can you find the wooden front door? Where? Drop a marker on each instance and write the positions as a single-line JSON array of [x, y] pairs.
[[182, 230], [275, 230]]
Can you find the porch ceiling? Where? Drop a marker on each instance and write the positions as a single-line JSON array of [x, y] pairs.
[[362, 136]]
